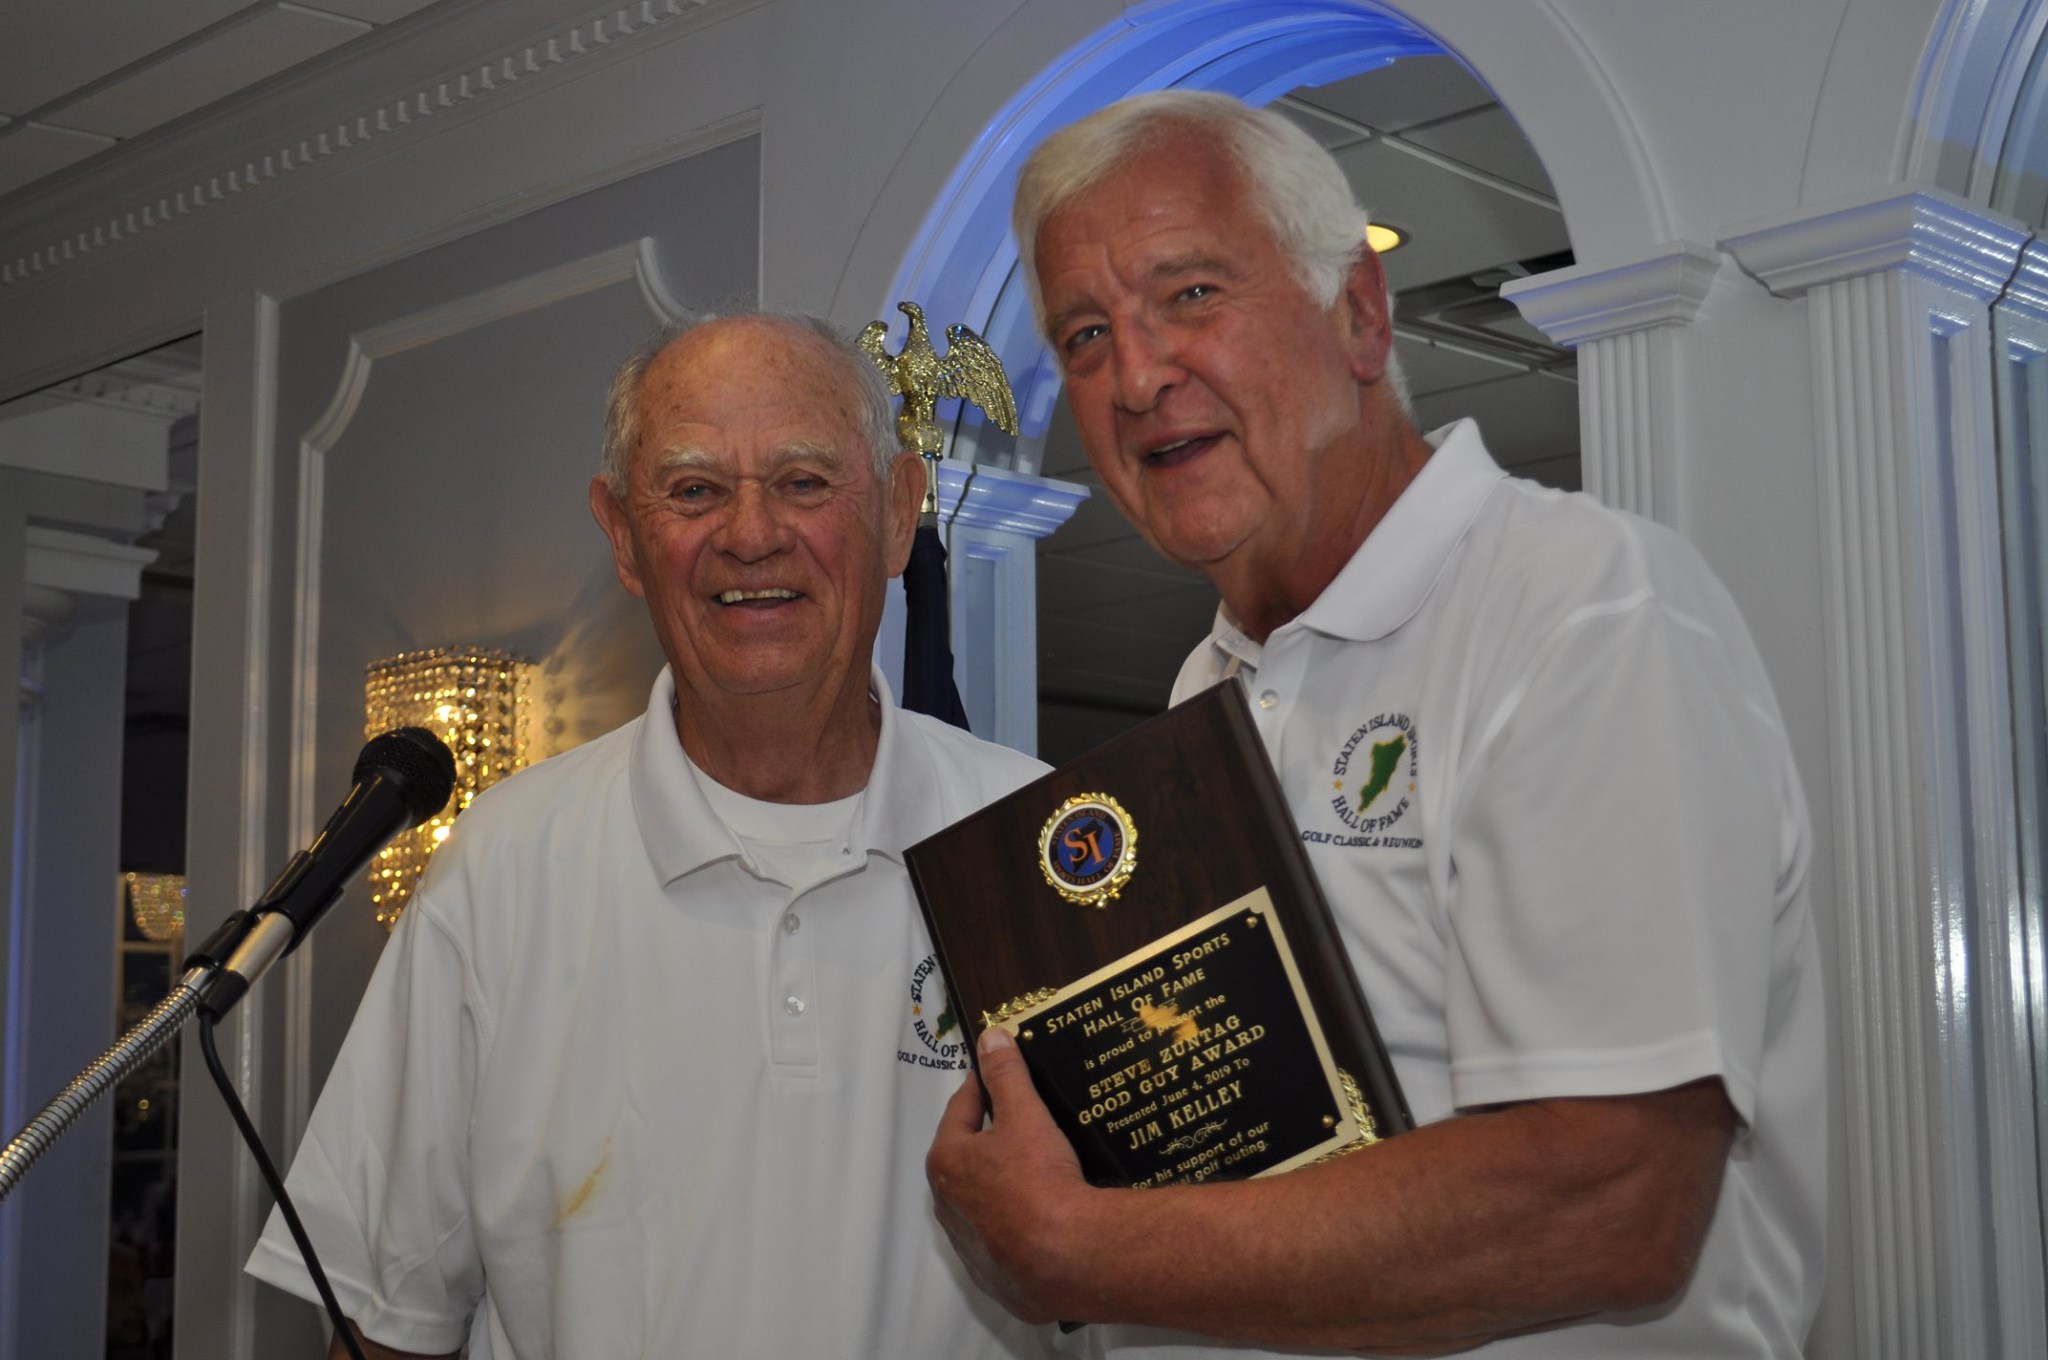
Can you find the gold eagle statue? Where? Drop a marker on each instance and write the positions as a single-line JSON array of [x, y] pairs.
[[969, 370]]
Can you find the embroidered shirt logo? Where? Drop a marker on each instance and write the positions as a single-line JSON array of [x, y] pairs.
[[933, 1025], [1372, 784]]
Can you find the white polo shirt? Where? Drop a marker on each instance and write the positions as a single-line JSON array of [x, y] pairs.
[[1543, 781], [612, 1093]]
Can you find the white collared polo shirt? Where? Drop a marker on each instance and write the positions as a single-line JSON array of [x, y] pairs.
[[616, 1092], [1539, 770]]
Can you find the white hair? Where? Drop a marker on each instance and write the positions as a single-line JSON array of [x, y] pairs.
[[877, 424], [1294, 184]]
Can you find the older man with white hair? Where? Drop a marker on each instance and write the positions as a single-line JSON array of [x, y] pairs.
[[1578, 907], [650, 1064]]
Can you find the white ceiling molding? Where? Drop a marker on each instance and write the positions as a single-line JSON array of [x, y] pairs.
[[85, 564], [2027, 294], [43, 611], [1936, 235], [109, 387], [552, 54], [1621, 321], [118, 446], [982, 497], [1586, 302]]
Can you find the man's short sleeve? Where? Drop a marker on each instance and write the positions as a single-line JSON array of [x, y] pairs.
[[381, 1179], [1616, 868]]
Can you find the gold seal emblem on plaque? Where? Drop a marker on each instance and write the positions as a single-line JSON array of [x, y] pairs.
[[1088, 849]]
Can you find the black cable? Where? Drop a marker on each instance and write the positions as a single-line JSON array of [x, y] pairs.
[[276, 1184]]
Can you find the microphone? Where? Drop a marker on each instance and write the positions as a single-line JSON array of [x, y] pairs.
[[401, 779]]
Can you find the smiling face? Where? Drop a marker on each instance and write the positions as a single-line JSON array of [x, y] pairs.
[[1233, 420], [753, 523]]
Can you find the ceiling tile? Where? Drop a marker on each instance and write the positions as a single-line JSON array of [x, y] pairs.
[[1095, 520], [1401, 94], [50, 47], [1328, 131], [1092, 652], [28, 151], [1487, 139], [1062, 456], [1563, 473], [1126, 549], [224, 63], [1525, 419], [1432, 368], [1460, 227], [373, 11], [1140, 598]]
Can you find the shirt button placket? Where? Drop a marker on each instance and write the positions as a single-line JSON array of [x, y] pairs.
[[792, 998]]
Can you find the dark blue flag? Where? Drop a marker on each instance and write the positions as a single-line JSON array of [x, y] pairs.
[[928, 633]]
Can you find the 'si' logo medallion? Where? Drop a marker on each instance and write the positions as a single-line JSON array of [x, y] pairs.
[[1089, 849]]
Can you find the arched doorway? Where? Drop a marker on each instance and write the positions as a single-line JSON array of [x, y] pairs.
[[1426, 145]]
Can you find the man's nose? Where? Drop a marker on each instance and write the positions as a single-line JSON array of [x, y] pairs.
[[1146, 366], [752, 527]]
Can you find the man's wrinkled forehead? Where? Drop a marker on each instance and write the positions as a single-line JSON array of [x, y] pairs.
[[707, 356], [745, 368]]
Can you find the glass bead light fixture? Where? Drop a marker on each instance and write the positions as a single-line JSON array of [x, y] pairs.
[[474, 698], [157, 902]]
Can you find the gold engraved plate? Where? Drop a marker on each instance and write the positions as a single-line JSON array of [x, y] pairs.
[[1088, 849], [1195, 1058]]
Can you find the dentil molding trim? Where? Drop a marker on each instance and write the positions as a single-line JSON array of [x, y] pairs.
[[335, 139], [1926, 232]]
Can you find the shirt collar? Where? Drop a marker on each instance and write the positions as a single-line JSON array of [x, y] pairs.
[[683, 833], [1390, 575]]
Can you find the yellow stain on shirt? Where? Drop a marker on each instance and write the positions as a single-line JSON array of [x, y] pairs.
[[580, 1198]]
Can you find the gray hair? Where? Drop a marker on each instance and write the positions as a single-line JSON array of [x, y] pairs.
[[1295, 185], [877, 425]]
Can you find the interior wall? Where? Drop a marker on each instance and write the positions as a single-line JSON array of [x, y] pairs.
[[66, 971], [451, 495], [1659, 122]]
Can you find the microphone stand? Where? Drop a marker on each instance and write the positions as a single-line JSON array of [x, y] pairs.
[[401, 779], [221, 972]]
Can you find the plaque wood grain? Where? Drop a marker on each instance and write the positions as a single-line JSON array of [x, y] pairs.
[[1212, 825]]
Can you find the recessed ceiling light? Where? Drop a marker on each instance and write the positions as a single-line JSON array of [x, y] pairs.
[[1384, 238]]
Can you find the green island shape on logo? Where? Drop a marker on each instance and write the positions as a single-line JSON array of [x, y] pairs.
[[1386, 757]]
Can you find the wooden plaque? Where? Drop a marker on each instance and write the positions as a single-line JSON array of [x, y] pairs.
[[1145, 921]]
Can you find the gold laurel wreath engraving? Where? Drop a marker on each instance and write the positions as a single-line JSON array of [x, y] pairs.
[[1368, 1127], [1017, 1006]]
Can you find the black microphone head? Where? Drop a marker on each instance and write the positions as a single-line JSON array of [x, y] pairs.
[[418, 762]]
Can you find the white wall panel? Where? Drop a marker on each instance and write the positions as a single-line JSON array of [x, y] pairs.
[[420, 480]]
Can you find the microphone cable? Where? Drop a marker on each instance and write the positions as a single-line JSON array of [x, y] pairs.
[[276, 1184]]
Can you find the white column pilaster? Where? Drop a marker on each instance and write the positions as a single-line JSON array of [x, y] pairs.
[[1622, 320], [1898, 290], [991, 519]]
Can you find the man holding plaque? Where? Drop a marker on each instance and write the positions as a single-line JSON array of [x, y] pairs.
[[649, 1066], [1539, 772]]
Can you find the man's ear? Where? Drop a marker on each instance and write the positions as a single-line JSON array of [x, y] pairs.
[[1367, 316], [611, 517], [902, 502]]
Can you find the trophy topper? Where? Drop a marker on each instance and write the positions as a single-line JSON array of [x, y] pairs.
[[920, 375]]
